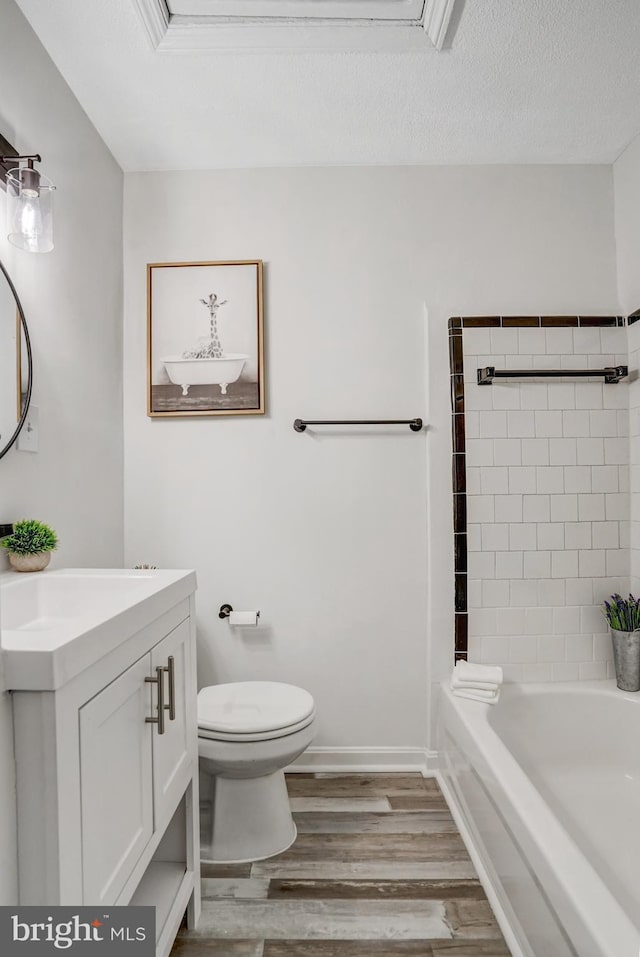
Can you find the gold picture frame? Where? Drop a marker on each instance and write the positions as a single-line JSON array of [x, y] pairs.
[[203, 359]]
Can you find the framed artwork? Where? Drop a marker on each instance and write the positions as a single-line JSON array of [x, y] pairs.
[[205, 338]]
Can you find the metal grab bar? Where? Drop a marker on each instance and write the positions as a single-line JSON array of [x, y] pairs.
[[611, 373], [301, 424]]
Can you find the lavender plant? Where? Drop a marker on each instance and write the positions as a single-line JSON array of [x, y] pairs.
[[623, 614], [213, 348]]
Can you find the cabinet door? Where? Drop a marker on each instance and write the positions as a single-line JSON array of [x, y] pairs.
[[116, 782], [174, 750]]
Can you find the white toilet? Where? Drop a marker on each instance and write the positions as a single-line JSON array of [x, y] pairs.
[[248, 731]]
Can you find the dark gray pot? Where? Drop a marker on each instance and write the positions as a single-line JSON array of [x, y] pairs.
[[626, 656]]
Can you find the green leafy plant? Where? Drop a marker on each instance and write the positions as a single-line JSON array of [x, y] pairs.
[[30, 537], [623, 614]]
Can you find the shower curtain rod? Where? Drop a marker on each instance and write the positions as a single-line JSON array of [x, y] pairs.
[[610, 373]]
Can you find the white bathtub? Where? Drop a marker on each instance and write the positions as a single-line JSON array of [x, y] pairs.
[[547, 783], [222, 372]]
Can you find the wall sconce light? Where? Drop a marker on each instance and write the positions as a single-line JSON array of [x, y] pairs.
[[29, 201]]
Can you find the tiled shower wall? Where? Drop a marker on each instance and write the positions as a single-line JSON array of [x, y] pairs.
[[547, 500], [634, 443]]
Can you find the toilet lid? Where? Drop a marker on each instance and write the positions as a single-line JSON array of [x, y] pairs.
[[247, 707]]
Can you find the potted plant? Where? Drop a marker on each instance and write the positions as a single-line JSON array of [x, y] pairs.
[[623, 615], [30, 545]]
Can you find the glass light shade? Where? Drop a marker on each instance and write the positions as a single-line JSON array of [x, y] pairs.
[[30, 210]]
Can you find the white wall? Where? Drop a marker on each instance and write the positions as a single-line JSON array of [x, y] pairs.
[[334, 535], [547, 502], [72, 298]]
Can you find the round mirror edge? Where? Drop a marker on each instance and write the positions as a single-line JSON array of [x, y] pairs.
[[25, 331]]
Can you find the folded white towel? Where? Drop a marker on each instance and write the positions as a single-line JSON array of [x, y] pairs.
[[469, 671], [483, 696], [457, 682]]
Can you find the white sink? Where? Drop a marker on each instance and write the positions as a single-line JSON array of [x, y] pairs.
[[54, 624]]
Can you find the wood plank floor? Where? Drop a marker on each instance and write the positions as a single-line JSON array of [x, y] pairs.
[[378, 870]]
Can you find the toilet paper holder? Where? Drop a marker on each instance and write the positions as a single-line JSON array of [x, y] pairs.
[[226, 609]]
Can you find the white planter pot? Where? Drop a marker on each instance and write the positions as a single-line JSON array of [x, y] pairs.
[[29, 563]]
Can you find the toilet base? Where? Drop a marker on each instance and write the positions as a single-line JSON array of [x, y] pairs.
[[250, 819]]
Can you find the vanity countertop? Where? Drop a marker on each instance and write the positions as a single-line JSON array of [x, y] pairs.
[[55, 624]]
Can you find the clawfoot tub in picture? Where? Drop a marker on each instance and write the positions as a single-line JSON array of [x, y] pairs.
[[188, 372]]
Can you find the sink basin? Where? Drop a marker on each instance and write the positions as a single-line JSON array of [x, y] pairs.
[[54, 624]]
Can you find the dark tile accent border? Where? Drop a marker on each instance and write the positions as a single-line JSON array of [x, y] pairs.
[[633, 317], [458, 464]]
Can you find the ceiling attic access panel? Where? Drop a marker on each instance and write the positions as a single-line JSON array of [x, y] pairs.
[[301, 10]]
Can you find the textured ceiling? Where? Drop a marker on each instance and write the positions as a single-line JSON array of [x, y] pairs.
[[526, 81]]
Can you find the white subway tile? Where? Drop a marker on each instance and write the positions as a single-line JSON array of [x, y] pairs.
[[510, 621], [564, 671], [534, 395], [617, 506], [477, 341], [549, 479], [537, 565], [551, 648], [616, 451], [579, 591], [523, 650], [559, 341], [602, 648], [480, 508], [495, 650], [538, 621], [561, 395], [512, 673], [592, 620], [564, 508], [506, 395], [504, 341], [535, 451], [478, 398], [592, 670], [575, 424], [474, 593], [577, 478], [566, 621], [495, 537], [548, 424], [507, 452], [591, 508], [495, 594], [575, 361], [522, 537], [615, 396], [480, 452], [564, 564], [604, 478], [523, 593], [603, 422], [551, 591], [623, 478], [473, 480], [474, 538], [634, 421], [475, 648], [551, 536], [634, 478], [509, 507], [600, 361], [494, 480], [562, 451], [482, 621], [482, 565], [589, 395], [532, 341], [577, 534], [520, 424], [605, 535], [587, 340], [509, 565], [613, 338], [591, 563], [493, 425], [535, 508], [536, 672], [522, 480], [590, 451], [617, 561], [579, 647], [624, 534], [472, 425]]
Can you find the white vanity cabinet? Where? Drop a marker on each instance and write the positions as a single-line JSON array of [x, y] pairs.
[[107, 768]]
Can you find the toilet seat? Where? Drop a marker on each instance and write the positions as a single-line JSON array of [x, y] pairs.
[[253, 711]]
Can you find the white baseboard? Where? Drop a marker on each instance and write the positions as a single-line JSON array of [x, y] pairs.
[[487, 884], [365, 761]]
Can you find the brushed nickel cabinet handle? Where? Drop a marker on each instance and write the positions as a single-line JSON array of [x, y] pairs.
[[160, 708], [171, 670]]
